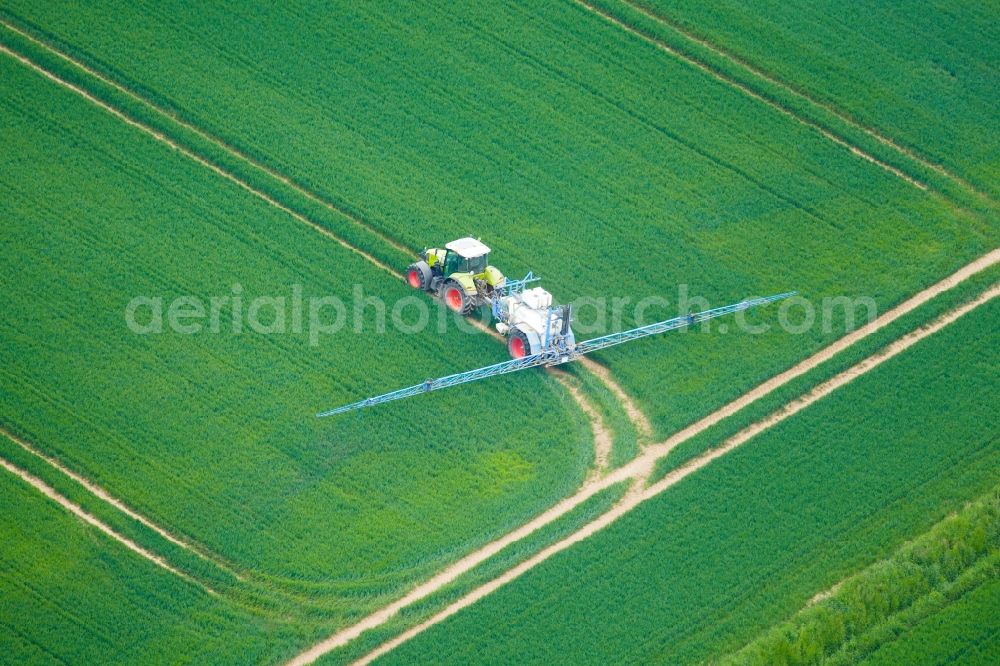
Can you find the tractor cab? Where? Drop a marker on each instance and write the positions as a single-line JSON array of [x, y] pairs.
[[466, 255]]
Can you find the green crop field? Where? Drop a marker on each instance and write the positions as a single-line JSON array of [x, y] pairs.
[[455, 123], [205, 213], [936, 580], [69, 596], [925, 74], [964, 632], [251, 468], [699, 570]]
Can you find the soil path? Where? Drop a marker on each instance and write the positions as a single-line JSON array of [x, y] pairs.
[[101, 493], [47, 490], [746, 90], [640, 468], [792, 90], [631, 501]]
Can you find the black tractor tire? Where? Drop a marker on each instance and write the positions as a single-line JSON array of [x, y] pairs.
[[517, 344], [418, 275], [456, 299]]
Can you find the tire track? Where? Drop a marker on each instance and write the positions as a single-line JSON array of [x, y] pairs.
[[633, 500], [666, 48], [603, 440], [792, 90], [216, 141], [641, 422], [47, 490], [640, 468], [211, 166], [108, 498], [602, 434]]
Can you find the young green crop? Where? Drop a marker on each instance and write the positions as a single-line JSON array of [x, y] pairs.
[[967, 290], [699, 570], [214, 435], [71, 595], [930, 576], [923, 74], [573, 148], [964, 631]]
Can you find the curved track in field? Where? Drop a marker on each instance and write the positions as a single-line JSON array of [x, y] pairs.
[[648, 460], [638, 471], [601, 434], [603, 439]]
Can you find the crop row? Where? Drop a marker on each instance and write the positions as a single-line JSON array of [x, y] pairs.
[[600, 162], [701, 569], [964, 631]]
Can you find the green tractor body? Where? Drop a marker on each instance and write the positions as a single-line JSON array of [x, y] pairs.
[[459, 274]]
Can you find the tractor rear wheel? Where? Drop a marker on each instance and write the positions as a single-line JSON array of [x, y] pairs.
[[418, 275], [517, 344], [456, 299]]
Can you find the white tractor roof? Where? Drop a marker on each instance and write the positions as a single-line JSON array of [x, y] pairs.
[[468, 248]]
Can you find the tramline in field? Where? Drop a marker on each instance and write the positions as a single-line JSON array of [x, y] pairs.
[[538, 333]]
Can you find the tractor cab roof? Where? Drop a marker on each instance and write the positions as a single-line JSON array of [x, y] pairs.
[[468, 248]]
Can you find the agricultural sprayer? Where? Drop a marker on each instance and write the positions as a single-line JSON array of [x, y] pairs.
[[538, 332]]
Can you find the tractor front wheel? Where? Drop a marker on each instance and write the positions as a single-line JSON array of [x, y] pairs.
[[418, 275], [517, 344]]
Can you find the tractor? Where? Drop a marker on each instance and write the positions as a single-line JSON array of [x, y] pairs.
[[459, 274], [538, 333]]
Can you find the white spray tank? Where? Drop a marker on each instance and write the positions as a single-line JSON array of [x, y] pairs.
[[531, 323]]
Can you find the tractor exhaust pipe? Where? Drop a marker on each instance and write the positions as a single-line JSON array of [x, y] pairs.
[[567, 316]]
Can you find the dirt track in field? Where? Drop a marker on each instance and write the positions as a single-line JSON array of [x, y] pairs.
[[666, 48], [47, 490], [642, 425], [602, 435], [602, 438], [309, 194], [107, 497], [870, 131], [639, 469], [632, 500], [159, 136]]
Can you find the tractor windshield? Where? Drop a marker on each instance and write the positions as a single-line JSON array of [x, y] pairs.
[[458, 264], [476, 264]]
